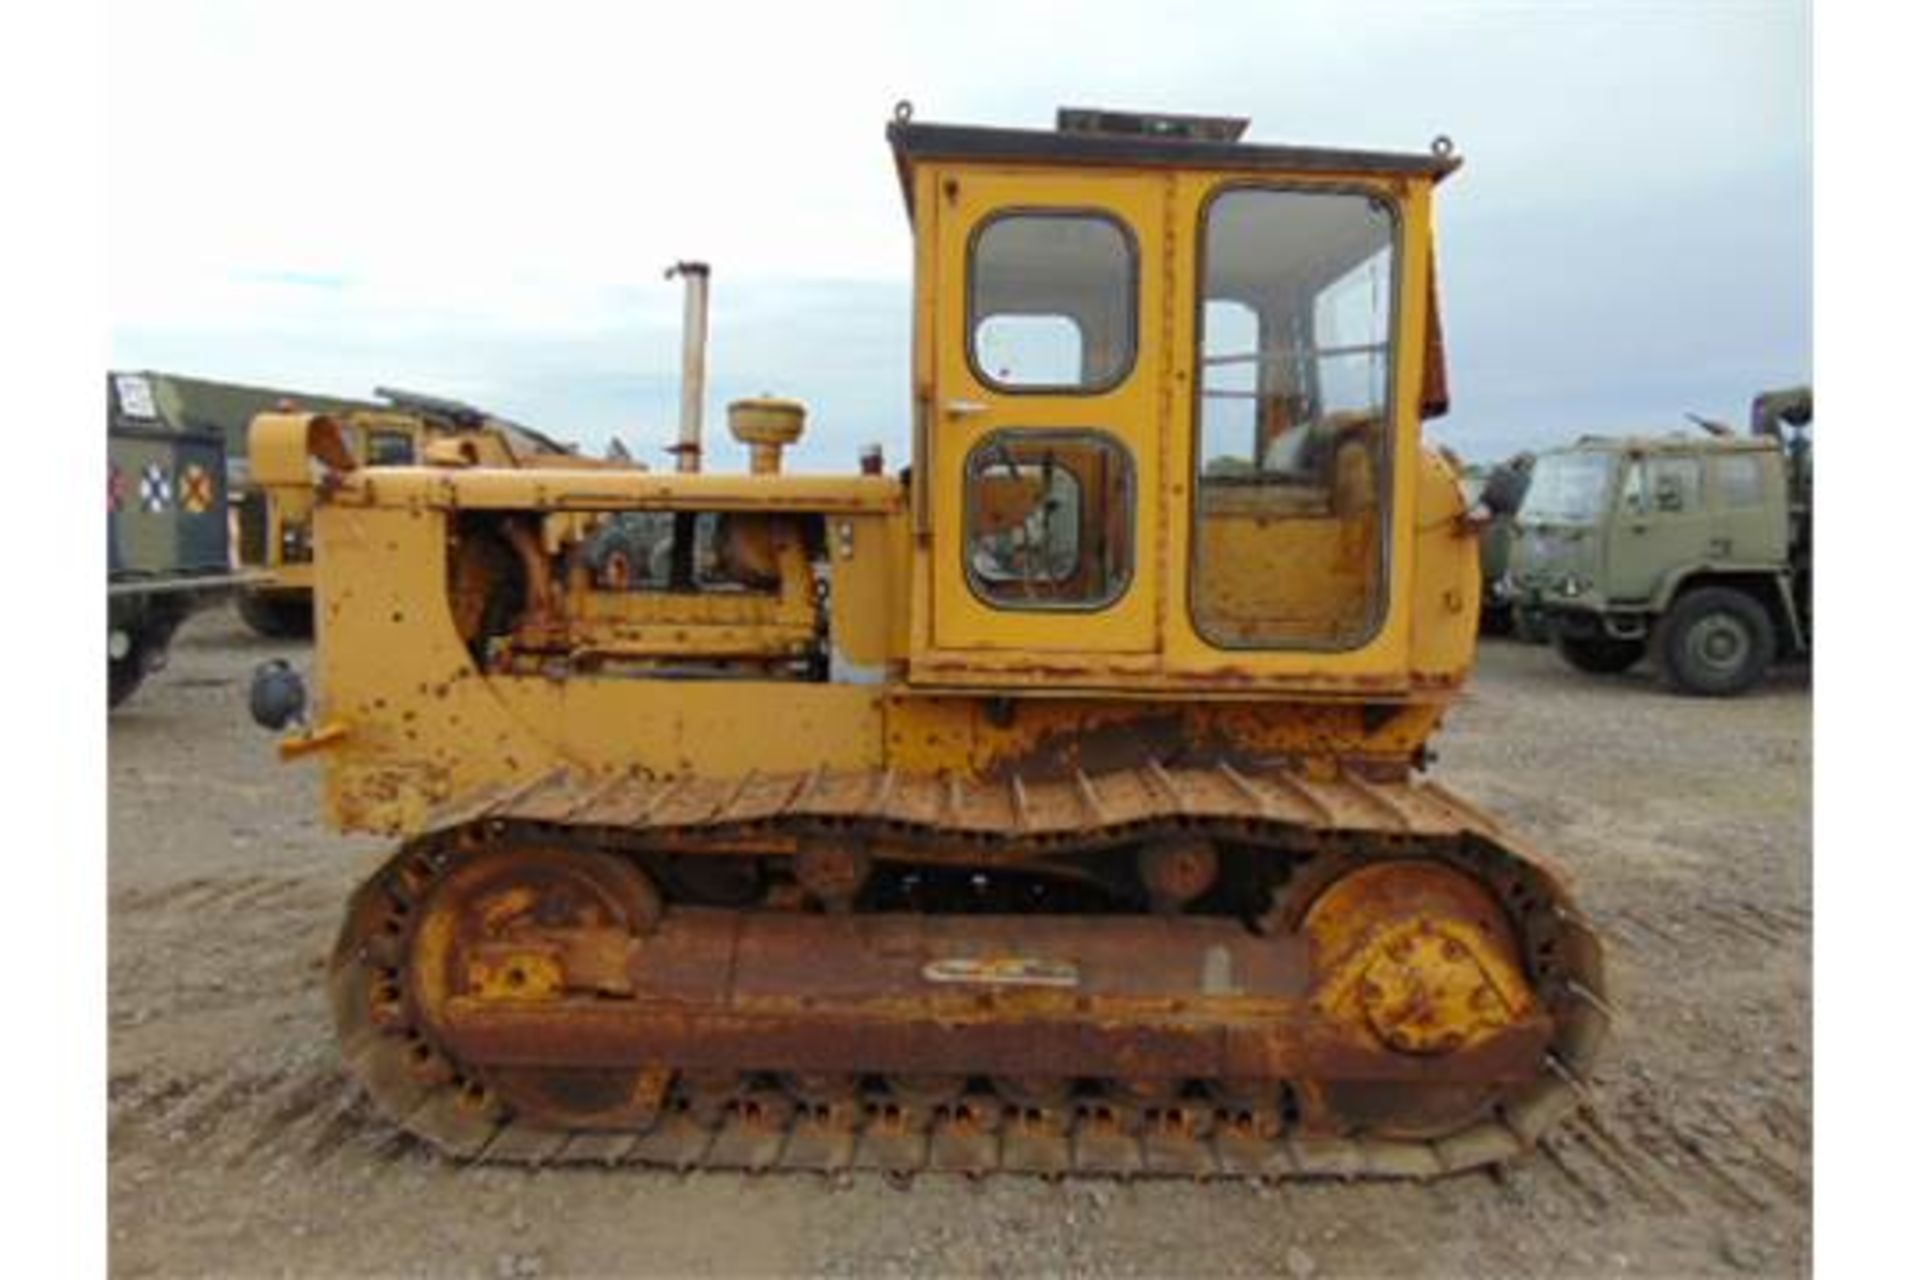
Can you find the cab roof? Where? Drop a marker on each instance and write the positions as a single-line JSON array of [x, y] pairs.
[[1093, 138]]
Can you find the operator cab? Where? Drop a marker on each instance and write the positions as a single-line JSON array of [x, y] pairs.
[[1167, 397]]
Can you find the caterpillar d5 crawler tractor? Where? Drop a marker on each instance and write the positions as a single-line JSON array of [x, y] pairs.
[[1055, 806]]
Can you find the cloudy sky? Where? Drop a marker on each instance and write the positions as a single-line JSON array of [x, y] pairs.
[[479, 199]]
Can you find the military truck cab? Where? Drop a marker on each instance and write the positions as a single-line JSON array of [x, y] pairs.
[[1691, 549], [168, 544]]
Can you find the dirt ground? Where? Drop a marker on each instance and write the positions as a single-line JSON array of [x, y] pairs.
[[236, 1146]]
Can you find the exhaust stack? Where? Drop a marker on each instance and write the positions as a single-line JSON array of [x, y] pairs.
[[693, 363]]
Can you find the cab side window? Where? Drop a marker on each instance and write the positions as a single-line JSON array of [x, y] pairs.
[[1633, 488], [389, 449], [1049, 519], [1738, 477], [1674, 484], [1291, 447], [1050, 302], [1661, 486]]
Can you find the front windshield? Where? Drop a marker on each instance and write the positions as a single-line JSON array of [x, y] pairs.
[[1568, 488]]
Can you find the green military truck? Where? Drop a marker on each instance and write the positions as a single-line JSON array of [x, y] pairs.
[[226, 409], [276, 598], [169, 546], [1694, 550]]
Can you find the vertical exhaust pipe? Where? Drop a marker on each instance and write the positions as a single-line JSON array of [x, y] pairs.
[[693, 394], [693, 363]]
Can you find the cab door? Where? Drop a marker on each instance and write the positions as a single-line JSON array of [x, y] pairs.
[[1044, 426], [1662, 523]]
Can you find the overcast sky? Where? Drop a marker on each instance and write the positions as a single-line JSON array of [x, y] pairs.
[[478, 200]]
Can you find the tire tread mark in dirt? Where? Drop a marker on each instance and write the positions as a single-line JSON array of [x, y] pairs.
[[200, 892], [307, 1095], [1582, 1193], [393, 1146], [1514, 1197], [272, 893], [226, 889], [352, 1115], [1781, 918], [149, 1108], [1735, 918], [1766, 1158], [1650, 929], [1693, 1158], [1787, 1123], [1734, 926], [1643, 1177], [150, 899], [202, 1121]]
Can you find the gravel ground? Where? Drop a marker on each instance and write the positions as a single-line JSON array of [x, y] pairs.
[[236, 1146]]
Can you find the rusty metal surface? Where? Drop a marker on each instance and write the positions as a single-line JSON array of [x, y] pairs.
[[1190, 997], [1077, 806], [1422, 1117], [616, 490], [1109, 1036]]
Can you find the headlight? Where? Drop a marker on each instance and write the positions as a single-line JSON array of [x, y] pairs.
[[1574, 585], [295, 544]]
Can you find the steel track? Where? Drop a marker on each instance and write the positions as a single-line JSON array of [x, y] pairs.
[[761, 1122]]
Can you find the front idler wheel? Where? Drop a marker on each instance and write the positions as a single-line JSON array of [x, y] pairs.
[[1417, 960]]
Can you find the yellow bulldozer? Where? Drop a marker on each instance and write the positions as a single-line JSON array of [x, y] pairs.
[[1055, 805]]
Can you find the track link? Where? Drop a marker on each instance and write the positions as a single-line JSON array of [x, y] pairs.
[[1058, 1127]]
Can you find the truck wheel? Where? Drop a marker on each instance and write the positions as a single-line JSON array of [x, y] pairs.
[[277, 619], [1714, 642], [148, 638], [1600, 655], [124, 675]]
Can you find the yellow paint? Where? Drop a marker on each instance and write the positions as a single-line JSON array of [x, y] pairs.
[[1417, 957], [1130, 413], [927, 677], [282, 447], [319, 738], [519, 973]]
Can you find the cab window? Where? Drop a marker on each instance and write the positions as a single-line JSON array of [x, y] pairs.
[[1050, 302], [389, 449], [1049, 519], [1290, 437], [1661, 486], [1738, 476]]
